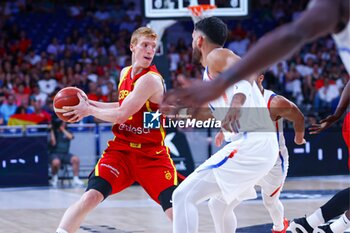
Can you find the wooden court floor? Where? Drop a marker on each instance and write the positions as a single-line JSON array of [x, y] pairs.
[[38, 210]]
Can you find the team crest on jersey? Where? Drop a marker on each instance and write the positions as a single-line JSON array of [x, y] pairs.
[[168, 175], [151, 120]]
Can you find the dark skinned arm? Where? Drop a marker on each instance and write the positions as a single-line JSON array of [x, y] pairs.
[[282, 107], [341, 108], [319, 20]]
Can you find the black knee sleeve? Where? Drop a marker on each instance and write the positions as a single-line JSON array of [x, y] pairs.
[[99, 184], [336, 206], [165, 198]]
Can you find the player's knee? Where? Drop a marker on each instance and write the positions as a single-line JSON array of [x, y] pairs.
[[177, 194], [90, 199], [165, 198], [182, 195], [99, 184]]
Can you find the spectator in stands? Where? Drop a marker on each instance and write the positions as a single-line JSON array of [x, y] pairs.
[[54, 47], [20, 94], [59, 153], [48, 84], [33, 58], [325, 95], [293, 84], [8, 108], [39, 110]]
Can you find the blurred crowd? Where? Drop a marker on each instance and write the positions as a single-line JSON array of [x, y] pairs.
[[92, 50]]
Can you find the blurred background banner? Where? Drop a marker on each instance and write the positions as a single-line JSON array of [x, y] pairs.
[[23, 161]]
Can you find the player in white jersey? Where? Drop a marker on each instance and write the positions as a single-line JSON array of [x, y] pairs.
[[229, 173], [271, 185], [323, 17]]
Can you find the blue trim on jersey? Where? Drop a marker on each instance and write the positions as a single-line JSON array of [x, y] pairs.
[[344, 49], [282, 162], [219, 164], [212, 109]]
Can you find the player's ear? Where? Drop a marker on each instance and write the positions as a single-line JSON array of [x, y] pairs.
[[200, 41], [132, 47]]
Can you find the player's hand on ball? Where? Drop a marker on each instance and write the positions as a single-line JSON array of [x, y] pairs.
[[77, 112]]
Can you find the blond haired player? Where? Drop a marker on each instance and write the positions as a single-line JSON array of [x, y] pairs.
[[136, 153]]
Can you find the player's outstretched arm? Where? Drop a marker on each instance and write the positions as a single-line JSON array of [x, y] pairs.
[[341, 108], [282, 107], [319, 20]]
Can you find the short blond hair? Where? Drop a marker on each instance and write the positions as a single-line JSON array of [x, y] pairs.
[[142, 31]]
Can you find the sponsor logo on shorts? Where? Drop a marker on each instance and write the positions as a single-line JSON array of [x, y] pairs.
[[168, 175], [112, 169]]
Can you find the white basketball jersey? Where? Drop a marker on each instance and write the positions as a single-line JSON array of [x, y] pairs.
[[220, 106], [342, 40], [268, 95], [255, 116]]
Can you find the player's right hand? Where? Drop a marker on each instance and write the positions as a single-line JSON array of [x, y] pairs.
[[79, 111]]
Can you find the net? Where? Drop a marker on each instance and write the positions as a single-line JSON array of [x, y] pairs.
[[199, 12]]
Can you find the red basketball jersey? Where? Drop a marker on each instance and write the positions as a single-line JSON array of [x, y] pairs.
[[132, 131]]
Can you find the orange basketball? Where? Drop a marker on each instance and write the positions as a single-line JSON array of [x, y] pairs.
[[66, 97]]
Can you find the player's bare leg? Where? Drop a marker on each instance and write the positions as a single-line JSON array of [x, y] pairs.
[[76, 213]]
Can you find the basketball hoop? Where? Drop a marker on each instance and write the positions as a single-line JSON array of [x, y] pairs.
[[198, 10]]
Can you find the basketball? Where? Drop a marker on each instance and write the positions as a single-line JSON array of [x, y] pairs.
[[66, 97]]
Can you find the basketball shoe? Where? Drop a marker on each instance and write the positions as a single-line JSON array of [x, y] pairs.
[[323, 229], [285, 224], [300, 225]]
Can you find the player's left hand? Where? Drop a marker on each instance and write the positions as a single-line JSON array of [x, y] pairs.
[[324, 124], [231, 120], [79, 111]]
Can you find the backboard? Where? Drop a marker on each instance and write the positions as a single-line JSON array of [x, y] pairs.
[[172, 9]]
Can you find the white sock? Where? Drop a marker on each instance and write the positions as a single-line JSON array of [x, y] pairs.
[[315, 219], [341, 224], [60, 230], [75, 177]]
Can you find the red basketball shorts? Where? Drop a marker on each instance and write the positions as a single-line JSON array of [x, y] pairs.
[[151, 167]]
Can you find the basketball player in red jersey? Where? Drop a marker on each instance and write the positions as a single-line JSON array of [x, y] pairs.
[[136, 153]]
